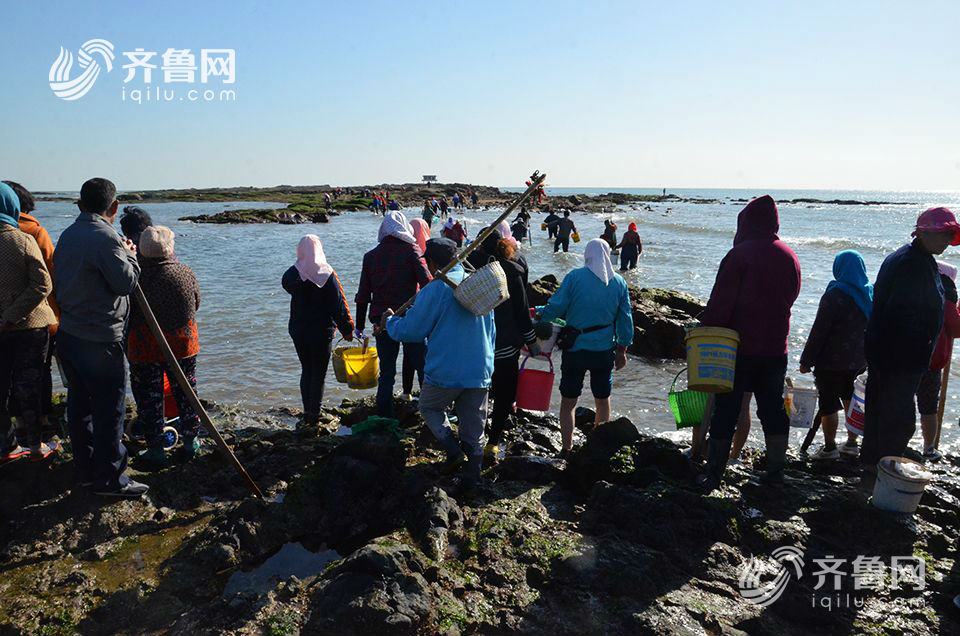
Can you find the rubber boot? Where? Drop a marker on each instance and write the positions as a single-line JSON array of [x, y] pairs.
[[718, 452], [471, 472], [776, 458], [191, 448]]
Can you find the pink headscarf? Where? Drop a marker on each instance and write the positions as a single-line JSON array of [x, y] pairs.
[[312, 262], [421, 232], [506, 233]]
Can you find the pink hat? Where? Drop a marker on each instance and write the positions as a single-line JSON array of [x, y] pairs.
[[939, 220]]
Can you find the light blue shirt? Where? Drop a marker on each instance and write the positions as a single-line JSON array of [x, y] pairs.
[[584, 301], [459, 345]]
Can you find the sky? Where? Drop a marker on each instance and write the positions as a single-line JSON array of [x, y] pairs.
[[851, 95]]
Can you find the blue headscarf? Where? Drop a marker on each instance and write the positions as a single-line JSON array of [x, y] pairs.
[[850, 277], [9, 206]]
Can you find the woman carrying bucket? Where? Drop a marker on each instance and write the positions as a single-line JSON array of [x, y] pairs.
[[595, 301], [514, 329], [756, 286], [317, 307], [834, 349]]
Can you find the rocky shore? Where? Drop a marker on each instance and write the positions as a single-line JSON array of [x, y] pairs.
[[362, 535]]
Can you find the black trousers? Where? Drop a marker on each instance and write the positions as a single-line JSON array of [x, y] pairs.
[[22, 357], [503, 391], [314, 354], [628, 257], [562, 241], [96, 404], [763, 376], [890, 418]]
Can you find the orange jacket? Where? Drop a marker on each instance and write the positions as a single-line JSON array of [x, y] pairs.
[[30, 225]]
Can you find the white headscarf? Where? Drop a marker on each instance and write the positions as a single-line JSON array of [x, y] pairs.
[[449, 224], [597, 258], [395, 224], [312, 262], [947, 269]]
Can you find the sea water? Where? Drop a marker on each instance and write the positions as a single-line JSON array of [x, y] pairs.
[[247, 358]]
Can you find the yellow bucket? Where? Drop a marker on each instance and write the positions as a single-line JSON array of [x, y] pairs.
[[711, 359], [543, 226], [576, 237], [362, 367]]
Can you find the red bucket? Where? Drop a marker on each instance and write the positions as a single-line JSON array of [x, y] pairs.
[[534, 387], [170, 409]]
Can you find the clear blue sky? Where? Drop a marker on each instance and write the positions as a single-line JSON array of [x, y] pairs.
[[692, 94]]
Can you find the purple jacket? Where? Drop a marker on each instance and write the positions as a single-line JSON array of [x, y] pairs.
[[757, 283]]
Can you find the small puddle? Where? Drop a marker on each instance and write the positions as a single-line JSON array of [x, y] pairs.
[[291, 560], [343, 431]]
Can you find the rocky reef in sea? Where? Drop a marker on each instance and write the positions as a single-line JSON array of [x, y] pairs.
[[361, 534]]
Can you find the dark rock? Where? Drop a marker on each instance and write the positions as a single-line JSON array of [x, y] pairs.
[[592, 461], [377, 590], [531, 469], [540, 290]]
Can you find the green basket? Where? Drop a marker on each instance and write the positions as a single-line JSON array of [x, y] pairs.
[[687, 406]]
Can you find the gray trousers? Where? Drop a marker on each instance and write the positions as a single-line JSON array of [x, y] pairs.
[[471, 407]]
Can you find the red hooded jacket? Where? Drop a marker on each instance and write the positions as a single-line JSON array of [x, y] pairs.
[[757, 283]]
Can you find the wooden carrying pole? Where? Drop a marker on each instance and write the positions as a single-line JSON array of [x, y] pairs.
[[536, 179], [944, 382], [173, 366]]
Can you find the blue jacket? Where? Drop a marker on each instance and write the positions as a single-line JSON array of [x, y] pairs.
[[583, 301], [459, 345], [93, 275], [907, 311]]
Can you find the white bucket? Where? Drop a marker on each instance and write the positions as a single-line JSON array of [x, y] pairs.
[[894, 491], [801, 406], [858, 406]]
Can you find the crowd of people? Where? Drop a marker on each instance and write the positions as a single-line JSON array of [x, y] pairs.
[[75, 300]]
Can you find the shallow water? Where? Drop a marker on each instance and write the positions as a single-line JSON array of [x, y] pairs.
[[293, 559], [246, 356]]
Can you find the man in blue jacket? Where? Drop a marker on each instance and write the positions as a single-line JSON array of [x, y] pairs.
[[459, 362], [95, 270]]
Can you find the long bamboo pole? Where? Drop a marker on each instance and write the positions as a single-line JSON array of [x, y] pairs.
[[173, 366], [536, 179], [944, 383]]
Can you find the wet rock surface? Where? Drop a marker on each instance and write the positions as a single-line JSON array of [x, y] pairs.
[[612, 540], [660, 317]]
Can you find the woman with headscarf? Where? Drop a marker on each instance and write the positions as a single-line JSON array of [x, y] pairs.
[[834, 349], [928, 393], [25, 318], [318, 306], [630, 248], [391, 274], [595, 301], [413, 365], [454, 231], [171, 289], [421, 232], [514, 329]]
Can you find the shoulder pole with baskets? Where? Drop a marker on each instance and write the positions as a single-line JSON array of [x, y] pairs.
[[536, 180]]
